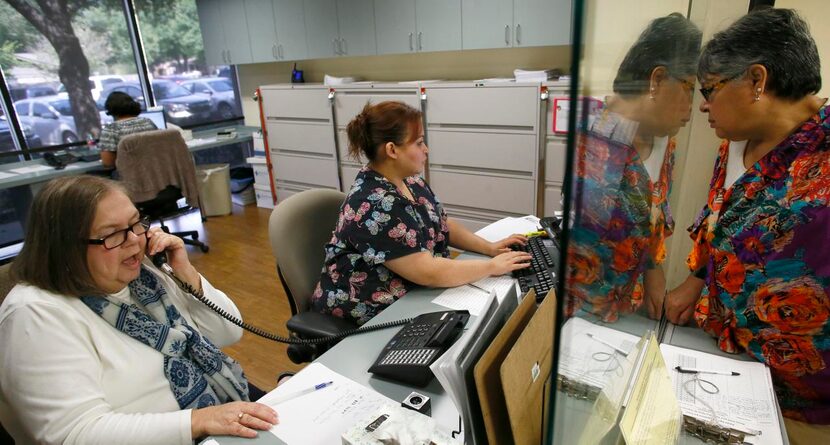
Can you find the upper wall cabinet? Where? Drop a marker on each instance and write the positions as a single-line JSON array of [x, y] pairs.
[[225, 32], [417, 25], [245, 31], [516, 23], [340, 28], [276, 29]]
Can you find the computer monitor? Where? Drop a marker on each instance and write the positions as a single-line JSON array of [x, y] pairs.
[[156, 114]]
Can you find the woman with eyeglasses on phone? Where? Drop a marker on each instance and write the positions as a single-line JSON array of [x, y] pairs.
[[760, 261], [98, 346]]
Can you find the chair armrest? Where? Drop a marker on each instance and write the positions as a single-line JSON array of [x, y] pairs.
[[312, 324]]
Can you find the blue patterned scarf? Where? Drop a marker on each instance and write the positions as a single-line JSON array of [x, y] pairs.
[[199, 373]]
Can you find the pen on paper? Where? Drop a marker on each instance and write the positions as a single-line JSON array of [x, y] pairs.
[[610, 345], [479, 288], [683, 370], [302, 392]]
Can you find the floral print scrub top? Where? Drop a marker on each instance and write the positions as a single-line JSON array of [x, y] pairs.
[[623, 220], [377, 223], [764, 245]]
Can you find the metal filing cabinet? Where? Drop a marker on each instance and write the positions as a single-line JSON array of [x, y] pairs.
[[556, 145], [484, 139], [303, 152]]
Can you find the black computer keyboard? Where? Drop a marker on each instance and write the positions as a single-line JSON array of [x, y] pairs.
[[544, 264]]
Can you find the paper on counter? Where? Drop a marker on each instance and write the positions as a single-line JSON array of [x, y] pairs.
[[505, 227], [31, 169], [4, 175], [744, 402], [463, 297], [319, 418]]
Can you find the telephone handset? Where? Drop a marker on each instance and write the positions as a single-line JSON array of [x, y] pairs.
[[160, 261], [406, 358]]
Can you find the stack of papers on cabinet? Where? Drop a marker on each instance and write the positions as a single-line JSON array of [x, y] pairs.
[[535, 76], [331, 80]]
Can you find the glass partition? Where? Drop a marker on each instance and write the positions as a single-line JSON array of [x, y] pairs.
[[641, 152], [633, 90]]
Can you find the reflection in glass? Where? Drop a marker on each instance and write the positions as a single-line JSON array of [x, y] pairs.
[[623, 176]]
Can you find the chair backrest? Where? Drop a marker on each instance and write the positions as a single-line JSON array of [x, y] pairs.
[[6, 282], [299, 229], [150, 161]]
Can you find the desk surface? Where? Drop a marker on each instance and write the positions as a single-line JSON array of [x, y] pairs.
[[353, 356], [243, 134]]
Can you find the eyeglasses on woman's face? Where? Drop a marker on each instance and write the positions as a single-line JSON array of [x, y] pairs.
[[119, 237], [706, 92]]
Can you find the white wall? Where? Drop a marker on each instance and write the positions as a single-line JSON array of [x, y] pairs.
[[815, 13]]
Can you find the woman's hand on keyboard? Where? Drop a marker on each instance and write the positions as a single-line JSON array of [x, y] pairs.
[[507, 262], [503, 246]]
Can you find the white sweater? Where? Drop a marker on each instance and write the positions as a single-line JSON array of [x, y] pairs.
[[68, 376]]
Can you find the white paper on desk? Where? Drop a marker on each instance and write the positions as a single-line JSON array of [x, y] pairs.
[[508, 226], [589, 360], [4, 175], [319, 418], [463, 298], [742, 402], [31, 169]]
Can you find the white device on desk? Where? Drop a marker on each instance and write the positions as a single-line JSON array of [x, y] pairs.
[[155, 114]]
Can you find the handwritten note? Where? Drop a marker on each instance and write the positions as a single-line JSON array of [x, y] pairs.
[[327, 412]]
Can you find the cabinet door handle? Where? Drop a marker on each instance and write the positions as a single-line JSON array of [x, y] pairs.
[[519, 34], [344, 47], [230, 61], [274, 51], [507, 34], [420, 40], [411, 45], [334, 47]]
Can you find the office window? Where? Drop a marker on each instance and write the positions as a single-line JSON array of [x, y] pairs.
[[191, 92], [6, 142], [68, 108]]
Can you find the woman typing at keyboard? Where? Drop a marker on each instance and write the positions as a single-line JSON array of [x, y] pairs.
[[97, 346], [125, 111], [392, 232]]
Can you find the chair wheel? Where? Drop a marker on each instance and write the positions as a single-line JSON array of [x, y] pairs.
[[205, 248]]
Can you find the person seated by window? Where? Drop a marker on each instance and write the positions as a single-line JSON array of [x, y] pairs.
[[124, 110], [625, 166], [99, 346], [392, 232]]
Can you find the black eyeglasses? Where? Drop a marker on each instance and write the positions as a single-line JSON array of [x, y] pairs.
[[119, 237], [706, 92]]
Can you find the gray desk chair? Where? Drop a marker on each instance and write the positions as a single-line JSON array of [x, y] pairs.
[[157, 170], [299, 229]]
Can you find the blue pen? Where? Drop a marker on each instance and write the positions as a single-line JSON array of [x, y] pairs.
[[302, 392]]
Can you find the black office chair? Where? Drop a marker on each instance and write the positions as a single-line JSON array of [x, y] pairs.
[[157, 170], [299, 229]]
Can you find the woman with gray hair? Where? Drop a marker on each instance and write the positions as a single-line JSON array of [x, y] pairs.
[[98, 346], [760, 274]]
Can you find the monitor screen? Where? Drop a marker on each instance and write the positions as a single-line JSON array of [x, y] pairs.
[[155, 114]]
